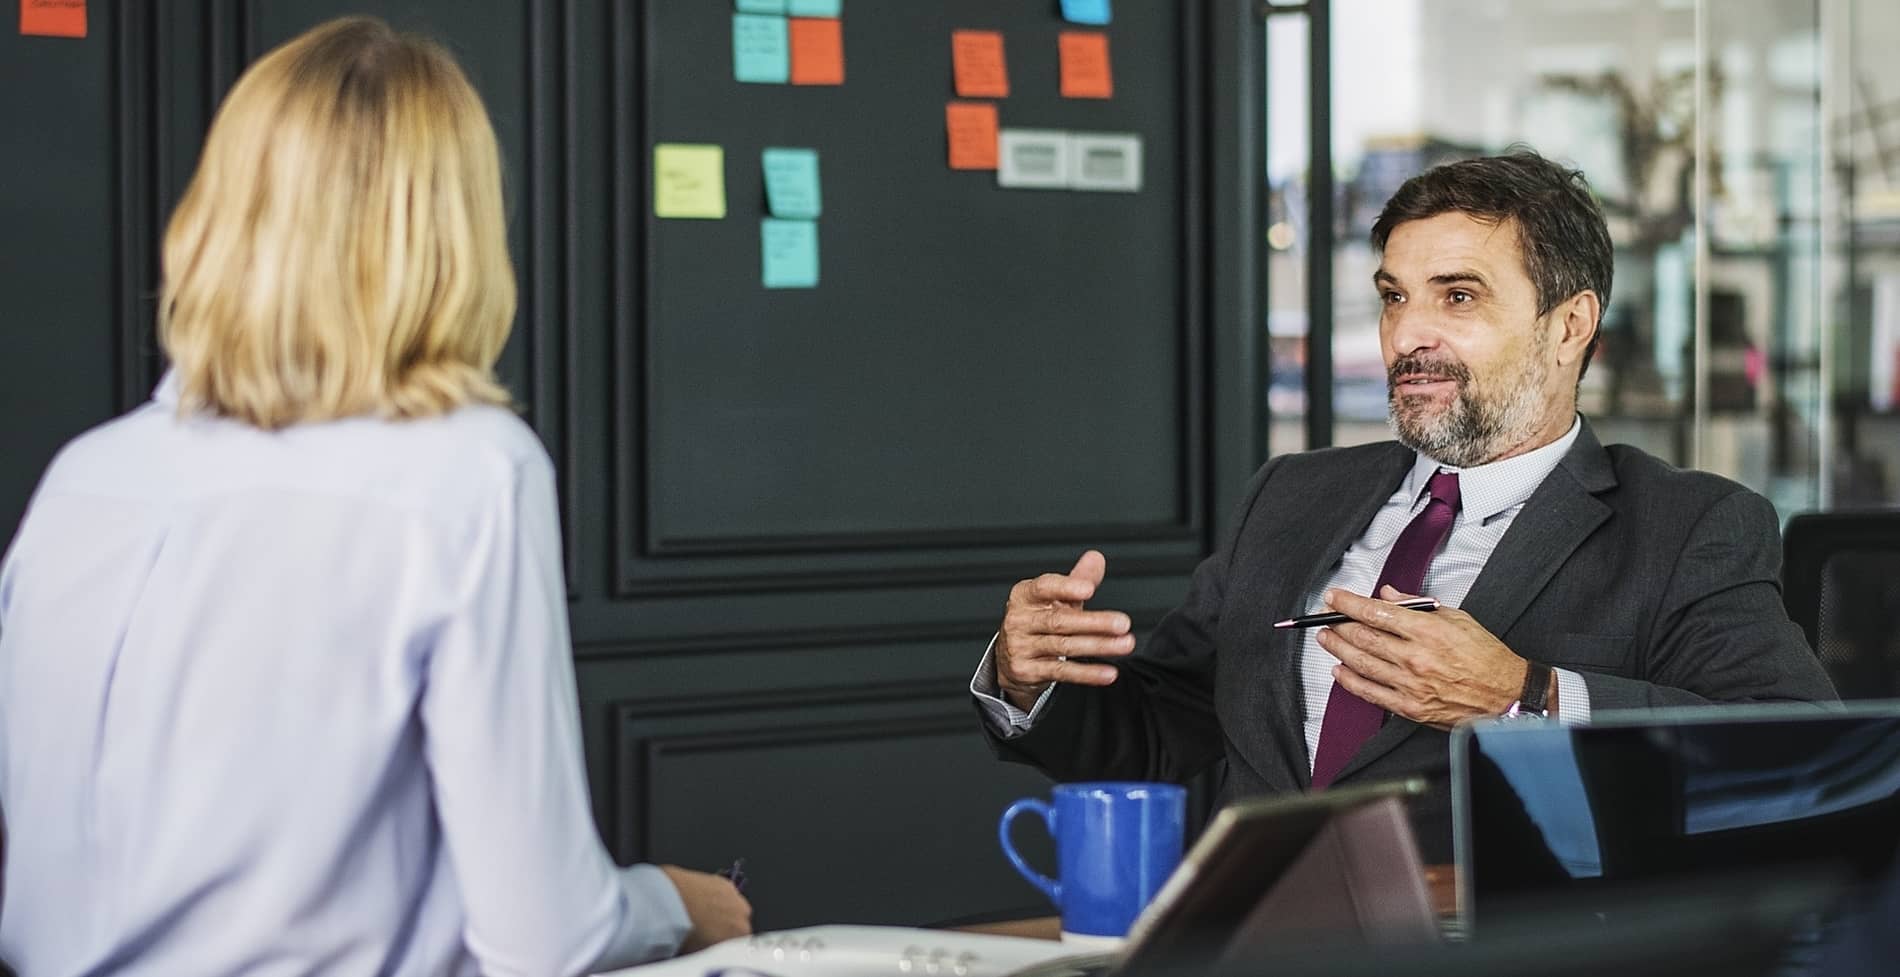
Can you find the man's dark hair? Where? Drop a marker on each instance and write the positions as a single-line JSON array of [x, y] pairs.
[[1560, 228]]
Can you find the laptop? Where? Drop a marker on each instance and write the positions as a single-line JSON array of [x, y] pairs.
[[1591, 817], [1336, 867]]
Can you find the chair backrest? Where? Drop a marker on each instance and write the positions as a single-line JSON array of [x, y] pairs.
[[1840, 578]]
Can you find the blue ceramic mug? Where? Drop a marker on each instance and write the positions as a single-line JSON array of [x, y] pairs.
[[1115, 844]]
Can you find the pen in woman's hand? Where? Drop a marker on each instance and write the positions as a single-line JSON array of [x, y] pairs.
[[1334, 617], [735, 874]]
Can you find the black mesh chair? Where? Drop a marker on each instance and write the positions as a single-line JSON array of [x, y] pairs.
[[1840, 578]]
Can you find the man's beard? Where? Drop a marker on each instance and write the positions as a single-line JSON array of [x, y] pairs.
[[1477, 426]]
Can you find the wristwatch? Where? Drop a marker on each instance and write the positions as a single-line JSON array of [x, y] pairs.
[[1534, 700]]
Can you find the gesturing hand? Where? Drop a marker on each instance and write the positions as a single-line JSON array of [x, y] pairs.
[[1436, 669], [1045, 627]]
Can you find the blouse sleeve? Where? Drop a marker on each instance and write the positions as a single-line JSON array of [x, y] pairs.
[[501, 720]]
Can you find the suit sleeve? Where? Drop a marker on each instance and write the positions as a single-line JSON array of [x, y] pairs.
[[1721, 633], [1157, 721]]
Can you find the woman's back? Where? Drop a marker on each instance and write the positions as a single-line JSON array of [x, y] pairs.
[[214, 647]]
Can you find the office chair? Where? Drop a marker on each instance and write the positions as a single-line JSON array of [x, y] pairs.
[[1840, 579]]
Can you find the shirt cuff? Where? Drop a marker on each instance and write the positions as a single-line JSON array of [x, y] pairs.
[[656, 922], [1573, 698], [1007, 720]]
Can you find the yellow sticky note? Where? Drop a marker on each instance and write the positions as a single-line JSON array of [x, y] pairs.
[[689, 181]]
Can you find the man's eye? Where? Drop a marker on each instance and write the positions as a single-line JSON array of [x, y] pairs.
[[1391, 298], [1460, 297]]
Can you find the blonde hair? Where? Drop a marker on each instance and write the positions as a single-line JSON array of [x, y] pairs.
[[342, 248]]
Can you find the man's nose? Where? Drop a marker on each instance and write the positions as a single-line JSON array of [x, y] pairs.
[[1410, 328]]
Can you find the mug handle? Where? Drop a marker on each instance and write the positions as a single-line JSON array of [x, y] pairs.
[[1049, 886]]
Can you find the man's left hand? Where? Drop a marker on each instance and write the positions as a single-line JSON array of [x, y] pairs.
[[1436, 668]]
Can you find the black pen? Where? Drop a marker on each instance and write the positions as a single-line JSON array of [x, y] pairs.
[[1334, 617], [735, 874]]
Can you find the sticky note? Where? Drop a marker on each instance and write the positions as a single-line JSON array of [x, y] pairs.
[[53, 18], [817, 51], [1035, 158], [689, 181], [978, 60], [1086, 11], [791, 182], [759, 52], [813, 8], [788, 253], [760, 6], [1085, 71], [972, 131]]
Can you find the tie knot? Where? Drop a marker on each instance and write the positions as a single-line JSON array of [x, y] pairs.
[[1444, 488]]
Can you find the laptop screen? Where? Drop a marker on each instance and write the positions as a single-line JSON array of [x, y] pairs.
[[1584, 814]]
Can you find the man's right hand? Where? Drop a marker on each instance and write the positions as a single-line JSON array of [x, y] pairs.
[[1045, 629], [717, 911]]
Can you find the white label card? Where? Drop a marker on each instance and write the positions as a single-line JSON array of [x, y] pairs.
[[1105, 161], [1032, 158]]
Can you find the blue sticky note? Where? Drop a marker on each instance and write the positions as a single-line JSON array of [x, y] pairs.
[[760, 6], [791, 183], [816, 8], [789, 253], [760, 49], [1085, 11]]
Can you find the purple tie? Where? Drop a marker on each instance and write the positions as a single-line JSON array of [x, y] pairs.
[[1350, 721]]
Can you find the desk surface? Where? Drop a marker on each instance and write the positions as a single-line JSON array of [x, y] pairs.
[[1440, 881]]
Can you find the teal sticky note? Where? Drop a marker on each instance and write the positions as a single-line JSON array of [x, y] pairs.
[[813, 8], [760, 6], [789, 253], [791, 183], [1086, 11], [760, 50]]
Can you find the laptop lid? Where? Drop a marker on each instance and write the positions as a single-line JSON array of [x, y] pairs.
[[1587, 815], [1339, 864]]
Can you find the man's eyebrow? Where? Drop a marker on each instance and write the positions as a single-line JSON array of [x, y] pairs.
[[1460, 278], [1383, 277]]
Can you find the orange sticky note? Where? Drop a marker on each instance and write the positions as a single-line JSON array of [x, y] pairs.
[[972, 127], [978, 57], [817, 51], [1085, 71], [53, 18]]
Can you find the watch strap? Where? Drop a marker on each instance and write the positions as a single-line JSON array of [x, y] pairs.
[[1535, 698]]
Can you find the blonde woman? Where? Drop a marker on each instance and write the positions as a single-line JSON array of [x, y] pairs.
[[285, 677]]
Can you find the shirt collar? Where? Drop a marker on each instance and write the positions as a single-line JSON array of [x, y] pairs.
[[1490, 489], [166, 393]]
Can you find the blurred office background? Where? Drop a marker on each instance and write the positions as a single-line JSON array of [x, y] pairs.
[[792, 518]]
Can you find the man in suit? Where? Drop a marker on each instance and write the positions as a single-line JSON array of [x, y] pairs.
[[1574, 577]]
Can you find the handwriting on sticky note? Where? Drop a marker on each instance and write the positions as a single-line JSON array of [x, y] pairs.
[[791, 182], [788, 253], [1086, 11], [759, 52], [972, 130], [1085, 69], [817, 51], [813, 8], [53, 18], [689, 181], [977, 57], [760, 6]]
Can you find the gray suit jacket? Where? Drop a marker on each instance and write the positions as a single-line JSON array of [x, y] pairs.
[[1659, 586]]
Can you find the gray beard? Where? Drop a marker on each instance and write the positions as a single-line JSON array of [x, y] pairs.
[[1475, 429]]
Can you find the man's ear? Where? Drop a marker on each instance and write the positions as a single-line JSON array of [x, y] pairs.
[[1574, 324]]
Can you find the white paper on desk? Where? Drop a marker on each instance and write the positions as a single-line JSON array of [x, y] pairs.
[[1032, 158], [1105, 161], [861, 951]]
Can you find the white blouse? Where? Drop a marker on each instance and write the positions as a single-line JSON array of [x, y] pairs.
[[300, 703]]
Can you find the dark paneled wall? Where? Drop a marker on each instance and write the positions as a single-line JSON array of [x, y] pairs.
[[792, 694]]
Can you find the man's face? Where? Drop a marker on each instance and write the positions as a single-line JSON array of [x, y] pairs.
[[1469, 362]]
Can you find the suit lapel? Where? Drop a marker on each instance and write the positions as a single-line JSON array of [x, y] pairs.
[[1318, 528], [1558, 517]]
